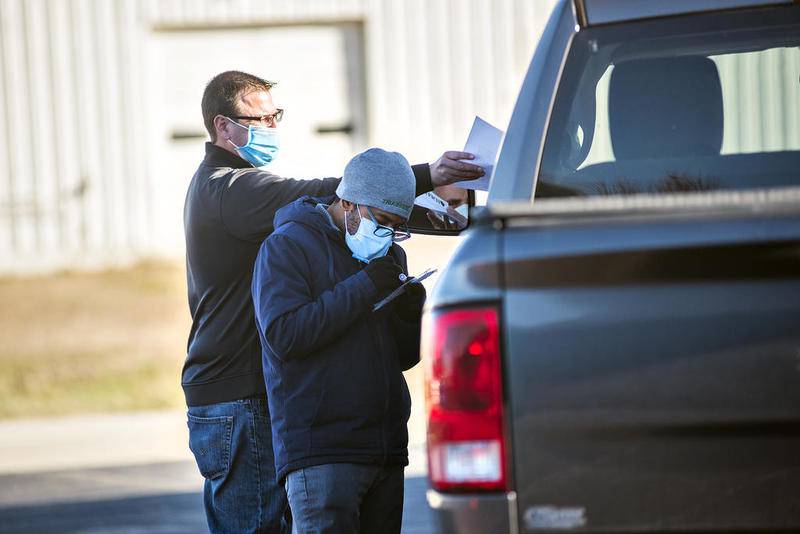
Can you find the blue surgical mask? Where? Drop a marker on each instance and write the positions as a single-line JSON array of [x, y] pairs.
[[261, 147], [364, 244]]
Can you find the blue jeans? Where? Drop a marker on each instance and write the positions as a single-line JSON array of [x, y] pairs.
[[232, 445], [346, 498]]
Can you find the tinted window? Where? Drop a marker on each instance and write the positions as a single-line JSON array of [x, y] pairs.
[[685, 104]]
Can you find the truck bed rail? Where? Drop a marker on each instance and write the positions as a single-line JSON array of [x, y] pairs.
[[755, 202]]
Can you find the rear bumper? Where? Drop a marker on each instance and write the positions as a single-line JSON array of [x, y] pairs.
[[474, 513]]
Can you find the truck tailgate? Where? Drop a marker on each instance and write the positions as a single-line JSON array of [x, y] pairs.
[[653, 372]]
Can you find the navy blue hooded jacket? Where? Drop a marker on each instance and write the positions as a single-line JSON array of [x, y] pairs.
[[229, 211], [332, 367]]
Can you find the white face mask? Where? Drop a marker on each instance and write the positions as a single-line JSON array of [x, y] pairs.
[[367, 243]]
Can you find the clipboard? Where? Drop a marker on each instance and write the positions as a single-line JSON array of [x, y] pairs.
[[397, 292]]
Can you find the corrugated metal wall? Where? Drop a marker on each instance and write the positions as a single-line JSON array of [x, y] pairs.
[[764, 84], [434, 64], [76, 149], [74, 187], [180, 14], [431, 64]]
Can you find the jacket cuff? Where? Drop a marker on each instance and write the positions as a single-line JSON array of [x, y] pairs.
[[422, 172]]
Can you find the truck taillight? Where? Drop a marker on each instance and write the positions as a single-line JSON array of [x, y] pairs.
[[464, 395]]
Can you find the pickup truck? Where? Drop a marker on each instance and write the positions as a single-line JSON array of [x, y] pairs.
[[615, 344]]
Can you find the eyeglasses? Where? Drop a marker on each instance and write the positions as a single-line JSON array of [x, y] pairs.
[[266, 120], [400, 233]]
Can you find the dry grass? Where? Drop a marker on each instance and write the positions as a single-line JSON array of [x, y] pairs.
[[114, 340], [84, 342]]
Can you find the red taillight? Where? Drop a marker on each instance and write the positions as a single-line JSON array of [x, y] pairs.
[[464, 395]]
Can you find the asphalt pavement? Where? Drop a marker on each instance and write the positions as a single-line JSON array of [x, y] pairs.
[[123, 474]]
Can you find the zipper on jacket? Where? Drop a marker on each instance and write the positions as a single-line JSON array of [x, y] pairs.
[[378, 346], [376, 338]]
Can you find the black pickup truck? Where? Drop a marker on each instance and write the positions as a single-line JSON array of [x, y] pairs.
[[615, 344]]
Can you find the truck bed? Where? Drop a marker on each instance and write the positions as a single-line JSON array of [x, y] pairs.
[[652, 361]]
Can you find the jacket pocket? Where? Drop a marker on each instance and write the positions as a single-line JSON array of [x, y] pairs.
[[210, 442]]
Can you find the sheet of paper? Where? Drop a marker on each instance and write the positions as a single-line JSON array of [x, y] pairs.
[[484, 142], [432, 201], [441, 209]]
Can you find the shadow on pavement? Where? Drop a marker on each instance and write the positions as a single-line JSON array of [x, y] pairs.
[[176, 513], [158, 512]]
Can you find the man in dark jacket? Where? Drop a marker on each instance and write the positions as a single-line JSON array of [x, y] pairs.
[[230, 206], [332, 366]]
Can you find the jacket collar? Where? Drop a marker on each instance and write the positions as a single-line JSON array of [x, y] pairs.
[[219, 157]]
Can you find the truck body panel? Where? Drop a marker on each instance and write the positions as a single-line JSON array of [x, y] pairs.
[[648, 299], [653, 381]]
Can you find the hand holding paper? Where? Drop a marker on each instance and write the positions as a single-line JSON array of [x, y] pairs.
[[484, 142], [452, 167]]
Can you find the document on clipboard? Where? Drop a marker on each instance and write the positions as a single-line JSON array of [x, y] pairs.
[[397, 292]]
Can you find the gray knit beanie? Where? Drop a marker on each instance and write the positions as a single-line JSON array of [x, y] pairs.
[[379, 179]]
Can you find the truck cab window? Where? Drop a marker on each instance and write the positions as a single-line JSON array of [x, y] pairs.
[[667, 107]]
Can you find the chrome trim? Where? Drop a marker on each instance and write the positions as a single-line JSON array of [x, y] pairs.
[[550, 107], [434, 498], [519, 152], [784, 199], [580, 13], [513, 513], [474, 512]]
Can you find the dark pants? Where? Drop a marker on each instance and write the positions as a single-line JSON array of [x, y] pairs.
[[232, 444], [346, 498]]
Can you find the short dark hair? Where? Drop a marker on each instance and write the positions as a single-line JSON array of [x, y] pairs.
[[222, 93]]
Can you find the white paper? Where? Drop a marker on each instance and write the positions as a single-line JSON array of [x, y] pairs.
[[432, 201], [437, 204], [483, 142]]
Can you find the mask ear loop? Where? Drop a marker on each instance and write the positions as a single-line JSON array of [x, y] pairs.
[[346, 228], [240, 126]]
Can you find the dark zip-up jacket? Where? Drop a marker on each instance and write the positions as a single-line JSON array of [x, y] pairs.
[[332, 367], [229, 211]]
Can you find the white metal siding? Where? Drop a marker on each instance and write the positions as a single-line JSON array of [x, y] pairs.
[[76, 146], [434, 64], [77, 150], [772, 118], [74, 187]]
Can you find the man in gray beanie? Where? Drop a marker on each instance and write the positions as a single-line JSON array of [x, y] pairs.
[[380, 179], [332, 366]]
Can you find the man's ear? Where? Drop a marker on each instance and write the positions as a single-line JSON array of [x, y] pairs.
[[221, 125], [347, 205]]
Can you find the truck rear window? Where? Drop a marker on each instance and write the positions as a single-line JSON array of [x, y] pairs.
[[696, 103]]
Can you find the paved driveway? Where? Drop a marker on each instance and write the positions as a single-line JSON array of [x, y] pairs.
[[129, 473], [155, 498]]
